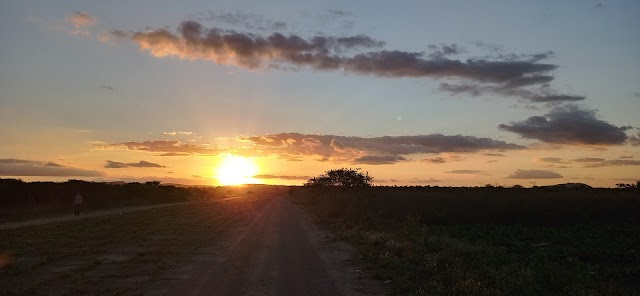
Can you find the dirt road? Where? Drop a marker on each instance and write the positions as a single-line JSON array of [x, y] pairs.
[[281, 253]]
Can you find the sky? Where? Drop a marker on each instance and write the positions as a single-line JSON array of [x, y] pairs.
[[446, 93]]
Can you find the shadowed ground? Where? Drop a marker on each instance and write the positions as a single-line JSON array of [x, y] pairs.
[[274, 257]]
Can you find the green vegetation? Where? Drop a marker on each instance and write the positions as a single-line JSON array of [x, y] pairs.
[[120, 254], [489, 241], [343, 178]]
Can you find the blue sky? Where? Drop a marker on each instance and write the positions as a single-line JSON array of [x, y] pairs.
[[72, 92]]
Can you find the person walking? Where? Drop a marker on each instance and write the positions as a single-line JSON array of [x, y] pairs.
[[77, 204]]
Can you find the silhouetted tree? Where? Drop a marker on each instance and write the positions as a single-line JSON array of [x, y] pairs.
[[344, 178]]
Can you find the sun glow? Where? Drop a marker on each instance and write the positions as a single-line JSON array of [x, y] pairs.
[[236, 170]]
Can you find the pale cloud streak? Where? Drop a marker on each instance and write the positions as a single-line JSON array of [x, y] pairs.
[[80, 21], [21, 167]]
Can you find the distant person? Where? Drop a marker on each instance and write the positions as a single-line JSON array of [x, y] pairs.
[[77, 204]]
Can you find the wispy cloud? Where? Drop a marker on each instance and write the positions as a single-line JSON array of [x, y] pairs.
[[141, 164], [80, 21], [282, 177], [467, 172], [107, 87], [21, 167], [174, 133], [171, 148], [247, 21]]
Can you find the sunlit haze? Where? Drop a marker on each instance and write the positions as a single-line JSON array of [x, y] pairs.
[[446, 93], [236, 170]]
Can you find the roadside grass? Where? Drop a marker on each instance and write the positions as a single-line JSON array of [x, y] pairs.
[[419, 258], [117, 254]]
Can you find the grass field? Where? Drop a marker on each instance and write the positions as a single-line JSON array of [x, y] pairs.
[[470, 242], [118, 254]]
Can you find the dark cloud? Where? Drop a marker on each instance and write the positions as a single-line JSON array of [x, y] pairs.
[[171, 148], [371, 150], [599, 6], [467, 172], [21, 167], [339, 13], [495, 154], [444, 50], [107, 87], [569, 124], [282, 177], [534, 174], [512, 89], [626, 157], [434, 160], [554, 160], [249, 50], [378, 159], [614, 163], [636, 94], [141, 164], [588, 159]]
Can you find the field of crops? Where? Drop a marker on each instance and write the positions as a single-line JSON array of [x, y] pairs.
[[483, 242]]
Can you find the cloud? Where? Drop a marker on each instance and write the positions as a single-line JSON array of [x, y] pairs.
[[435, 160], [570, 125], [554, 160], [329, 53], [615, 163], [375, 150], [339, 13], [599, 6], [20, 167], [174, 154], [282, 177], [421, 181], [378, 159], [440, 52], [141, 164], [107, 87], [174, 133], [533, 174], [467, 172], [543, 94], [495, 154], [80, 21], [248, 21], [635, 140], [588, 159], [171, 148], [636, 94], [626, 156]]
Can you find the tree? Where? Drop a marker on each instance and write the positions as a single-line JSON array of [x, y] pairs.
[[344, 178]]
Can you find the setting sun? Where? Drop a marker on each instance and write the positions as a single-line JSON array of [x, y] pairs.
[[236, 170]]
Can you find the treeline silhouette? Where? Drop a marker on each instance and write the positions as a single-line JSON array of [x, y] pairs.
[[476, 205], [21, 200]]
